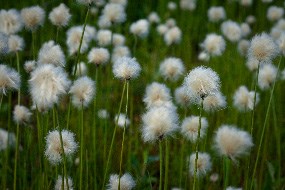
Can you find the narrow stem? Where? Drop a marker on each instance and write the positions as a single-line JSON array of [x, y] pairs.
[[68, 114], [16, 158], [197, 145], [1, 99], [80, 44], [254, 100], [135, 45], [94, 128], [57, 31], [160, 164], [226, 165], [81, 146], [33, 45], [18, 68], [264, 126], [166, 164], [113, 137], [181, 163], [124, 132]]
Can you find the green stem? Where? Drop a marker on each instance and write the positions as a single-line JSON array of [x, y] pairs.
[[68, 114], [181, 163], [226, 165], [113, 137], [1, 99], [16, 158], [254, 100], [80, 44], [81, 147], [166, 164], [94, 128], [160, 164], [124, 132], [264, 126], [33, 45], [197, 145], [135, 45], [57, 31]]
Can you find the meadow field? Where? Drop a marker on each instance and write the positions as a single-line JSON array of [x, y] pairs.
[[150, 94]]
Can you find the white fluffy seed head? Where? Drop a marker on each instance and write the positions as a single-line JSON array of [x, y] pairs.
[[243, 46], [54, 151], [233, 188], [9, 79], [30, 65], [214, 102], [126, 182], [10, 21], [73, 39], [140, 28], [15, 43], [252, 64], [204, 164], [114, 13], [170, 23], [200, 83], [231, 30], [21, 114], [157, 94], [158, 123], [262, 48], [214, 44], [120, 51], [126, 68], [171, 6], [181, 97], [47, 84], [190, 125], [173, 36], [103, 114], [121, 120], [250, 19], [246, 3], [60, 15], [104, 37], [51, 53], [267, 75], [6, 139], [216, 14], [232, 142], [204, 56], [171, 68], [274, 13], [85, 2], [153, 17], [162, 29], [189, 5], [118, 40], [58, 183], [245, 29], [83, 91], [81, 69], [33, 17], [98, 56], [243, 100]]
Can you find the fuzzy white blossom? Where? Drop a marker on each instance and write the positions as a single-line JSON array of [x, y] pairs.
[[4, 48], [267, 75], [81, 69], [120, 51], [118, 40], [9, 79], [10, 21], [51, 53], [68, 185], [15, 43], [33, 17], [171, 68], [60, 15], [47, 84], [244, 99], [158, 123], [173, 36], [231, 30], [98, 56], [30, 65], [216, 14], [274, 13], [83, 91], [140, 28], [104, 37], [190, 125], [126, 68], [189, 5], [243, 46], [121, 120], [126, 182], [204, 163], [114, 13], [153, 17], [181, 96], [214, 102], [232, 142], [214, 44], [6, 139], [54, 150], [21, 114]]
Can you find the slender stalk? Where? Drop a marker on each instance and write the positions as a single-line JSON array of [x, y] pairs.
[[160, 164], [81, 147], [94, 128], [254, 100], [166, 164], [264, 126], [226, 165], [181, 163], [57, 31], [113, 137], [197, 145], [1, 99], [81, 40], [33, 45], [135, 45], [124, 132], [68, 114]]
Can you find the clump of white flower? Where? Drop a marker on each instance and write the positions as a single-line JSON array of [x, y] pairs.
[[60, 15], [15, 43], [104, 37], [181, 97], [126, 182], [98, 56], [204, 163], [51, 53], [6, 139], [190, 126], [214, 44], [68, 184], [231, 30], [243, 99], [21, 114], [267, 75], [9, 79], [10, 21], [153, 17], [216, 14], [171, 68], [274, 13], [140, 28], [33, 17], [122, 120], [189, 5], [126, 68], [214, 102], [173, 36]]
